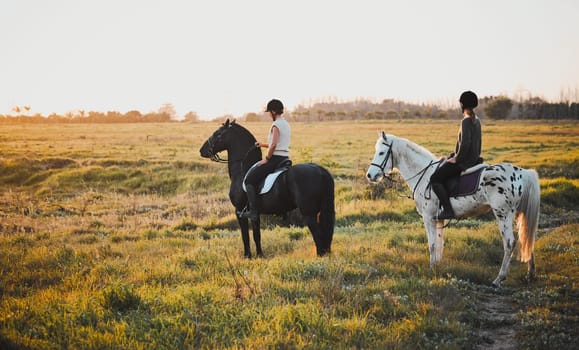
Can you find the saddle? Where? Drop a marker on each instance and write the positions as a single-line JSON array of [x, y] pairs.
[[466, 183], [267, 183]]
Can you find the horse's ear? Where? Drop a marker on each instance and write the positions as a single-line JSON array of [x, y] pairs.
[[233, 121], [383, 134], [226, 122]]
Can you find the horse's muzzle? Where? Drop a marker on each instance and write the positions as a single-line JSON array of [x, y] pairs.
[[205, 151], [373, 177]]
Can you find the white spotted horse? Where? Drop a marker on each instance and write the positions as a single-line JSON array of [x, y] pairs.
[[308, 187], [511, 192]]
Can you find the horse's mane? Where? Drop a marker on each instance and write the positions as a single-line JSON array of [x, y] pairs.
[[253, 153], [416, 148], [244, 131]]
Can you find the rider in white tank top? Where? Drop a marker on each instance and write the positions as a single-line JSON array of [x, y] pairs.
[[283, 143], [277, 152]]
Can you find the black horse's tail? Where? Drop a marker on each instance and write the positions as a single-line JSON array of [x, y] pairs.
[[327, 217]]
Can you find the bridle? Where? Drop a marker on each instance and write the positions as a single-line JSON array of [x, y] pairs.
[[382, 167], [217, 158]]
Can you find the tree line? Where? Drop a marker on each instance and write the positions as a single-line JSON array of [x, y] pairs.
[[165, 114], [499, 107]]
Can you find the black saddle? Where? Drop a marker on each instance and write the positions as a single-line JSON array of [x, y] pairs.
[[281, 167], [466, 183]]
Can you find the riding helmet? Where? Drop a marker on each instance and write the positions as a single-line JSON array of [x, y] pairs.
[[275, 106], [468, 100]]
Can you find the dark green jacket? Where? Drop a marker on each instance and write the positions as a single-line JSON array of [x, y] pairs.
[[469, 143]]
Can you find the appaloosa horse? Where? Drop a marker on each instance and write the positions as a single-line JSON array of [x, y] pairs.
[[509, 191]]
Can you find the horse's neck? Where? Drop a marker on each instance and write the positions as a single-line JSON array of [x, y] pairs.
[[410, 160], [239, 152], [234, 170]]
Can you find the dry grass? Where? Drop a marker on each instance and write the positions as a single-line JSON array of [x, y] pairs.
[[121, 236]]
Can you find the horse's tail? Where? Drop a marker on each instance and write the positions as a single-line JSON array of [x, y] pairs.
[[327, 217], [528, 214]]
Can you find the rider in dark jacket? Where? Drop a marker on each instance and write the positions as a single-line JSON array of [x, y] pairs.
[[467, 153]]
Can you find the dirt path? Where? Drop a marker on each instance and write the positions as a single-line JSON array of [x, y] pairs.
[[497, 316]]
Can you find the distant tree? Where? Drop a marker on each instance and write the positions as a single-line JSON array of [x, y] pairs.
[[191, 117], [330, 115], [133, 116], [114, 117], [169, 109], [252, 117], [96, 117], [391, 114], [161, 117], [442, 114], [499, 107]]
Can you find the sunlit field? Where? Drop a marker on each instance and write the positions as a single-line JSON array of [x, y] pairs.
[[120, 236]]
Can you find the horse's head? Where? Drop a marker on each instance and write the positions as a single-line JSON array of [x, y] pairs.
[[383, 161], [219, 141]]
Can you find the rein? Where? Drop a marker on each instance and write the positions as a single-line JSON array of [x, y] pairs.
[[216, 158], [421, 173]]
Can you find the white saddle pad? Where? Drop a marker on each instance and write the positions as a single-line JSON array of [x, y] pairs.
[[269, 180]]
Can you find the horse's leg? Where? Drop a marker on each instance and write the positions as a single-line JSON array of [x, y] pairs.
[[257, 236], [430, 226], [244, 226], [439, 240], [509, 242], [531, 268], [312, 222]]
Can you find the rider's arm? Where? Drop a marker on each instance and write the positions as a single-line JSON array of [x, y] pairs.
[[274, 139]]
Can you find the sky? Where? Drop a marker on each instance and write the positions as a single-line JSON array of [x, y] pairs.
[[220, 57]]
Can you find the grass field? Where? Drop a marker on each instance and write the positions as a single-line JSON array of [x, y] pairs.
[[122, 236]]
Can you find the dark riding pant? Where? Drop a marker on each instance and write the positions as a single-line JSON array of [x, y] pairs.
[[257, 174], [446, 171], [252, 180]]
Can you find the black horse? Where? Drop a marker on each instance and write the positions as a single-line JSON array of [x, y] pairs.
[[308, 187]]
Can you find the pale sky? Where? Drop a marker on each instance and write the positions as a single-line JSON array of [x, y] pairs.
[[221, 57]]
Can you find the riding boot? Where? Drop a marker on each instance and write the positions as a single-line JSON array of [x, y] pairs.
[[447, 212], [250, 212]]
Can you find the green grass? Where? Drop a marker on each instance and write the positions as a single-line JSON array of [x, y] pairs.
[[123, 237]]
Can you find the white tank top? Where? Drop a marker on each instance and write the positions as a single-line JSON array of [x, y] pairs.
[[283, 143]]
